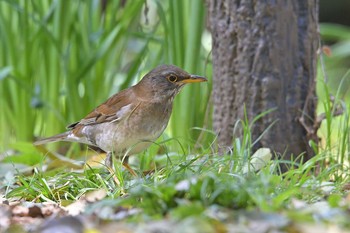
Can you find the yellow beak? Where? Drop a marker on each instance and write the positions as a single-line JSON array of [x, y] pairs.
[[194, 79]]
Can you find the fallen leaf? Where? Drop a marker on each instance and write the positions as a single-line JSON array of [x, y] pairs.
[[258, 160], [76, 208], [20, 211], [95, 195]]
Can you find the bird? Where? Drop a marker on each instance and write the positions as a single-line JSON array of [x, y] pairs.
[[129, 121]]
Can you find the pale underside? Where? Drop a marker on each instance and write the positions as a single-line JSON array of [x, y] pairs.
[[127, 134]]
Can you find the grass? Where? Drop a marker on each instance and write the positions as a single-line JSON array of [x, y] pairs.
[[194, 181], [197, 185], [332, 89], [60, 59]]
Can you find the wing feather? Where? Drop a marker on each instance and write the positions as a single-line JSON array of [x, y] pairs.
[[114, 109]]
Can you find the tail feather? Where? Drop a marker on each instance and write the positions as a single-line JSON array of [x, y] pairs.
[[55, 138]]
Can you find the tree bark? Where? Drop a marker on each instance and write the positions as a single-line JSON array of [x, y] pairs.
[[264, 57]]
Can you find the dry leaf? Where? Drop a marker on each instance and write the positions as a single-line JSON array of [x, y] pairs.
[[95, 195], [259, 160], [76, 207]]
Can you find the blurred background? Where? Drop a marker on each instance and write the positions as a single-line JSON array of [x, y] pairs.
[[60, 59]]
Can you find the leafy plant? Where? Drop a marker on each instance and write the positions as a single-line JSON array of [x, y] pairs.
[[61, 59]]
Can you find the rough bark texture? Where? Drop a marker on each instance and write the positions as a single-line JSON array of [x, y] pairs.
[[264, 57]]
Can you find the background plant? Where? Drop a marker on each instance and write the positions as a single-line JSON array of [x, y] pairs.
[[60, 59], [333, 84]]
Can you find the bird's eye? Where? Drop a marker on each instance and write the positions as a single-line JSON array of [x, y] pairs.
[[172, 78]]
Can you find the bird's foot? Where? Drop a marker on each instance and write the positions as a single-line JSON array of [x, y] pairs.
[[126, 165], [111, 168]]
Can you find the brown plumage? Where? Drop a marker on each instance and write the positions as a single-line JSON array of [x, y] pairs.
[[131, 119]]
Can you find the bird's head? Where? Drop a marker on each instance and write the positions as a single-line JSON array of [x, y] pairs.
[[166, 81]]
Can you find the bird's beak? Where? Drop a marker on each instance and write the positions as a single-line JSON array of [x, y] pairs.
[[193, 79]]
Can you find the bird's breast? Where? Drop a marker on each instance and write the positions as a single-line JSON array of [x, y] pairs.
[[152, 118], [135, 131]]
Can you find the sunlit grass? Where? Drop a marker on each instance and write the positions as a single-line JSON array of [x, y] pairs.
[[180, 180], [60, 59], [191, 178]]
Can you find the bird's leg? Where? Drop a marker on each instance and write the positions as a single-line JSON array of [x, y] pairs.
[[109, 160], [126, 165], [110, 167]]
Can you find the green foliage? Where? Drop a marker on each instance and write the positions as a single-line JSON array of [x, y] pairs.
[[186, 188], [333, 87], [191, 184], [60, 59], [27, 154], [335, 70]]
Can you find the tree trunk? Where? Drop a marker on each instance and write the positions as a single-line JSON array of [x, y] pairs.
[[264, 57]]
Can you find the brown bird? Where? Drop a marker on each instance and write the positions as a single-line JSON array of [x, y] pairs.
[[129, 121]]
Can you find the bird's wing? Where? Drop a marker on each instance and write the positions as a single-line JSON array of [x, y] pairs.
[[114, 109]]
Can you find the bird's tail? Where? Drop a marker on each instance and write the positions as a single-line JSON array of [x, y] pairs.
[[55, 138]]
